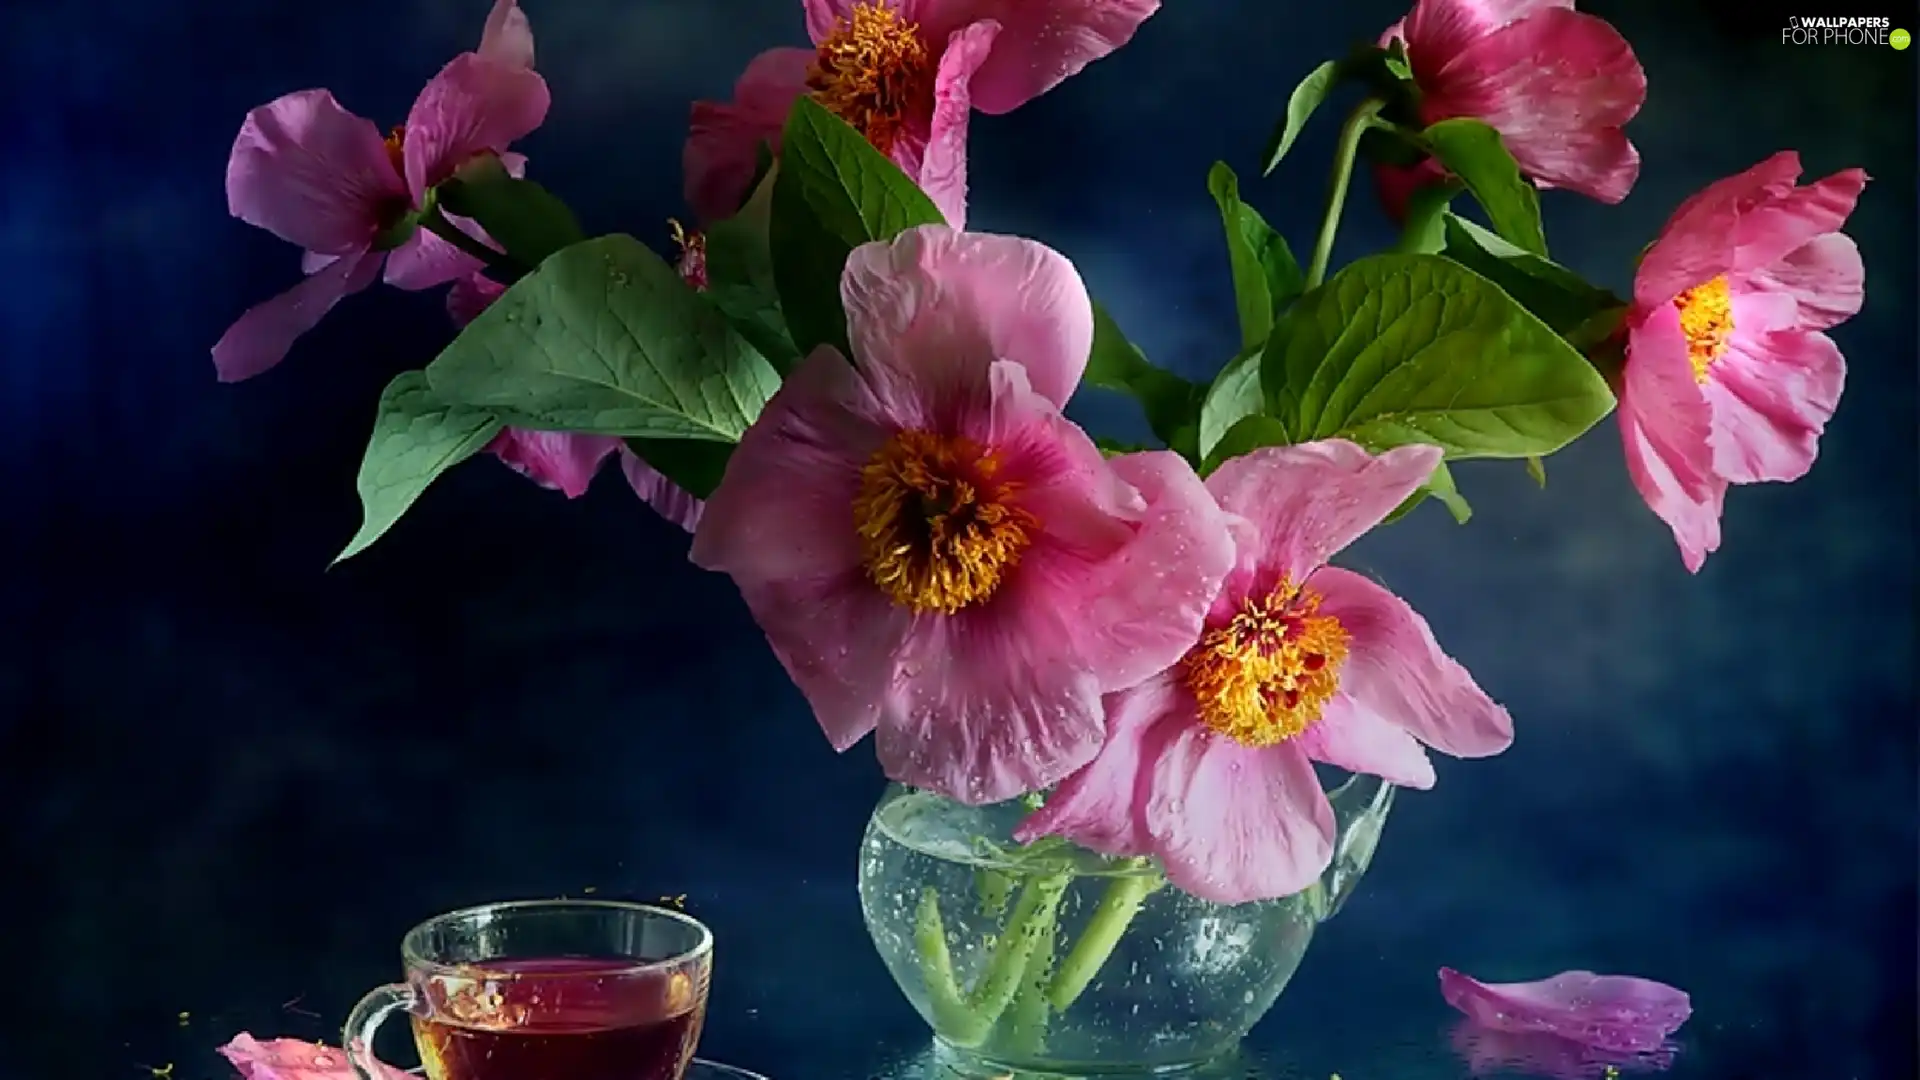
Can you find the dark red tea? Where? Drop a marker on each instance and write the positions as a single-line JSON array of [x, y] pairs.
[[562, 1019]]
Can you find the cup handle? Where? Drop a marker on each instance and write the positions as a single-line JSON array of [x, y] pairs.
[[364, 1022]]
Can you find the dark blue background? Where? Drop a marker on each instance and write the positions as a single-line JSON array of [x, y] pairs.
[[232, 778]]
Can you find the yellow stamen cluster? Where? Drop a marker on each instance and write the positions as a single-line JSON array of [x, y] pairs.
[[938, 532], [874, 71], [1265, 675], [1706, 318]]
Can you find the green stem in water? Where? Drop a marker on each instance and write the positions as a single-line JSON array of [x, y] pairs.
[[1366, 116], [1034, 911], [500, 266], [1108, 923], [950, 1010], [1025, 1024]]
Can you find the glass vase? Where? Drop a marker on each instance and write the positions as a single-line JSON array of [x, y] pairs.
[[1050, 960]]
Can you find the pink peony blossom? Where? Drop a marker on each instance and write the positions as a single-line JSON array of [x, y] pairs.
[[1729, 378], [1209, 766], [933, 550], [566, 461], [316, 175], [1619, 1013], [1557, 84], [906, 73], [292, 1059]]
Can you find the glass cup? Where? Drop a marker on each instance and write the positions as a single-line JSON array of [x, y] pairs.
[[580, 989]]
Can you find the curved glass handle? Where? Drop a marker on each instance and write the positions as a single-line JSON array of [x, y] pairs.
[[364, 1022], [1359, 813]]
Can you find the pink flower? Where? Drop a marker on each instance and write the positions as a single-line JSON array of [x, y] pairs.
[[292, 1059], [1607, 1012], [906, 73], [562, 461], [316, 175], [933, 550], [1209, 766], [1557, 84], [1729, 378]]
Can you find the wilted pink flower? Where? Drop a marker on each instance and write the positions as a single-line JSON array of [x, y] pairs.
[[1209, 766], [1607, 1012], [316, 175], [566, 461], [1557, 84], [1729, 378], [292, 1059], [934, 550], [906, 74]]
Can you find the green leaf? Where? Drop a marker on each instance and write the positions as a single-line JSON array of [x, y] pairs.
[[1473, 152], [525, 219], [1250, 433], [1559, 297], [1306, 97], [1171, 403], [695, 465], [740, 280], [832, 192], [605, 337], [1115, 447], [1265, 275], [1233, 396], [1399, 349], [1440, 487], [416, 437], [1537, 469], [1425, 230]]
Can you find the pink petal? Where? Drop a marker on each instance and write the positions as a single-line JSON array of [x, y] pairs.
[[943, 166], [1487, 1052], [1695, 245], [1307, 502], [1437, 30], [1142, 605], [825, 16], [1103, 806], [989, 707], [1775, 228], [1360, 740], [1770, 402], [312, 173], [426, 261], [784, 508], [668, 499], [473, 106], [1607, 1012], [840, 641], [260, 338], [312, 262], [1558, 86], [508, 37], [1395, 185], [723, 140], [1825, 278], [1396, 671], [562, 461], [934, 307], [1041, 42], [1233, 823], [1664, 427], [470, 296], [292, 1059]]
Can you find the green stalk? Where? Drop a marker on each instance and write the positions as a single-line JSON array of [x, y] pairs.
[[1025, 1023], [950, 1010], [1364, 117], [1034, 911], [1118, 905]]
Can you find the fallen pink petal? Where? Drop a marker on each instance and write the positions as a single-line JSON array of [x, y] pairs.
[[1489, 1051], [1606, 1012], [294, 1059]]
